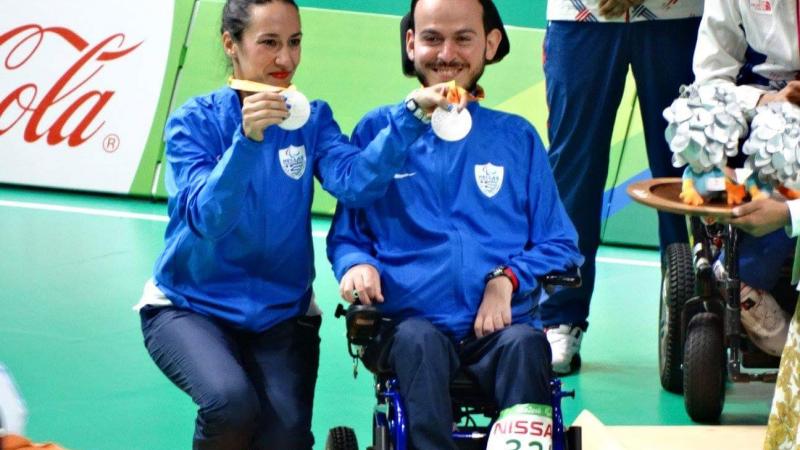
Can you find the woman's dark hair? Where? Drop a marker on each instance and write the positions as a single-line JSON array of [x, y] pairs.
[[236, 15], [491, 21]]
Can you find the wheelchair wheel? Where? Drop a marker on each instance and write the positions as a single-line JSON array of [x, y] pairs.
[[704, 369], [341, 438], [677, 286]]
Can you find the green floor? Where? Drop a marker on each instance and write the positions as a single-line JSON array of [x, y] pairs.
[[69, 277]]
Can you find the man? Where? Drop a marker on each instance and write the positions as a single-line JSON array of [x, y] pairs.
[[588, 47], [453, 250]]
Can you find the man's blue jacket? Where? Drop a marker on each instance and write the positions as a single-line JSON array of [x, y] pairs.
[[453, 212]]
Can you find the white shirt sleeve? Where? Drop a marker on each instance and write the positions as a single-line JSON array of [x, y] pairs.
[[793, 229], [720, 51]]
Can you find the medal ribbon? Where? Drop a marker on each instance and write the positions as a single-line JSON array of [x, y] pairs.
[[456, 92], [252, 86]]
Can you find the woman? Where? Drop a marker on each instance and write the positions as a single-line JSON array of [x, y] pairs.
[[229, 314]]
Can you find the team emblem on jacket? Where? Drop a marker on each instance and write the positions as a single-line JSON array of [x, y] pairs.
[[293, 161], [489, 178]]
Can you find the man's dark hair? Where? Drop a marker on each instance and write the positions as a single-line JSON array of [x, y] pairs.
[[491, 20], [236, 15]]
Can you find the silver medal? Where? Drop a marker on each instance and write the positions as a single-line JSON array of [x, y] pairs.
[[450, 124], [299, 110]]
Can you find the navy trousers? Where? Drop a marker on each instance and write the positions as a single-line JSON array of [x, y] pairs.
[[511, 365], [253, 390], [585, 68]]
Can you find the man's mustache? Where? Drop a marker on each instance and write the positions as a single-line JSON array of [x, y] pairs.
[[439, 66]]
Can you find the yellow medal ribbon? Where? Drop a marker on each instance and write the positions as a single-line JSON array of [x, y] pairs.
[[252, 86]]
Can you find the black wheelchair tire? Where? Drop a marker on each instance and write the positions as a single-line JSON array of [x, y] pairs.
[[677, 286], [704, 371], [341, 438]]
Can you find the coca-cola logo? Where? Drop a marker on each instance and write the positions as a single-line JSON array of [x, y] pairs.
[[67, 108]]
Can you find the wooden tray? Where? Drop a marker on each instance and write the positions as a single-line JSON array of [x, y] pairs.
[[663, 195]]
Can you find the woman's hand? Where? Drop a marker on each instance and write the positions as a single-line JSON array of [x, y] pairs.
[[790, 93], [760, 217], [260, 111]]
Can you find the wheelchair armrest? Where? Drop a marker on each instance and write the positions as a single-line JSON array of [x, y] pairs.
[[570, 279]]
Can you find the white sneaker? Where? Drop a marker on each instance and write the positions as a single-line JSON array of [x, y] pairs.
[[565, 344], [765, 322]]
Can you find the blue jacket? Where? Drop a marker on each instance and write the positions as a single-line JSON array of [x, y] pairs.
[[452, 213], [238, 242]]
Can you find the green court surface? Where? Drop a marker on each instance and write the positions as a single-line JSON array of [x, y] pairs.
[[72, 266]]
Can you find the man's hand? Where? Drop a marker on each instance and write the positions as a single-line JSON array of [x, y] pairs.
[[760, 217], [260, 111], [363, 279], [615, 8], [494, 313], [790, 93], [432, 96]]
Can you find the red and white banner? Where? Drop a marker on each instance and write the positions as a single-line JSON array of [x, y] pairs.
[[80, 82]]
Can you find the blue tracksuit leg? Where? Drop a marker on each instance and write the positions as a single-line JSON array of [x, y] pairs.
[[425, 361], [761, 258], [661, 58], [585, 68], [253, 390], [511, 365], [283, 363], [202, 360]]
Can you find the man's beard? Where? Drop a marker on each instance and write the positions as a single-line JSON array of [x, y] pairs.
[[471, 85]]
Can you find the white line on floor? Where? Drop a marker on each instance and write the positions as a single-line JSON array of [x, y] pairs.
[[85, 211], [628, 262], [160, 218]]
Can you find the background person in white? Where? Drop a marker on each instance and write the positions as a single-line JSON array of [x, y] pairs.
[[753, 45]]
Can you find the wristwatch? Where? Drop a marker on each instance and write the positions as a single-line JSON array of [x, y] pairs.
[[503, 271], [413, 107]]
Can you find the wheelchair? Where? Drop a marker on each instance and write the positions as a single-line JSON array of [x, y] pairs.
[[389, 430], [702, 343]]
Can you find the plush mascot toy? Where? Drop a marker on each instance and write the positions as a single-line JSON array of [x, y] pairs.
[[773, 150], [704, 127]]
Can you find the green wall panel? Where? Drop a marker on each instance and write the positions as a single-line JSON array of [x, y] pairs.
[[143, 180], [627, 222], [634, 224]]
